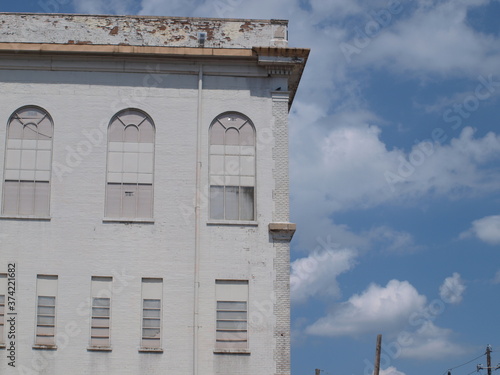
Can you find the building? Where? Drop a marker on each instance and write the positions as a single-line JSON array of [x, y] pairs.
[[144, 221]]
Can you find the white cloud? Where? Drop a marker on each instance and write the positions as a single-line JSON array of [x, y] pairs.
[[393, 309], [316, 274], [376, 309], [486, 229], [391, 370], [350, 167], [452, 289], [432, 342], [434, 39]]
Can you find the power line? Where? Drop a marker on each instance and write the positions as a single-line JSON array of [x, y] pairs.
[[463, 364]]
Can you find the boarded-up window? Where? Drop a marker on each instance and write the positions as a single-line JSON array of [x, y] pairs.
[[46, 310], [232, 168], [151, 313], [28, 163], [129, 190], [100, 320], [231, 314]]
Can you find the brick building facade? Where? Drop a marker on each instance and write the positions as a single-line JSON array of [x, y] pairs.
[[145, 205]]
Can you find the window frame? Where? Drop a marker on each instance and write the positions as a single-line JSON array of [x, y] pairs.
[[50, 282], [101, 288], [22, 183], [212, 175], [224, 288], [134, 187], [151, 293]]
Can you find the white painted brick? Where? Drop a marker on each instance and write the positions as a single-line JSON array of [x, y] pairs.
[[77, 244]]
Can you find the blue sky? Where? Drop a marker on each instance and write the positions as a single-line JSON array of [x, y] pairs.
[[395, 176]]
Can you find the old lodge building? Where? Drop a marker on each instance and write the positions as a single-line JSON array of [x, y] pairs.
[[144, 223]]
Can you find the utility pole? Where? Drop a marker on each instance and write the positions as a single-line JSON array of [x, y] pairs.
[[488, 362], [488, 359], [376, 370]]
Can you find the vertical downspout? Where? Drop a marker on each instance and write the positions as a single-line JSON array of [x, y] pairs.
[[197, 225]]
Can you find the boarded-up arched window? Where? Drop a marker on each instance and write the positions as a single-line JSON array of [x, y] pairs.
[[28, 163], [129, 190]]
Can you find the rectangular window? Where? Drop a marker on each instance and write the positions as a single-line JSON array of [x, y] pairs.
[[231, 314], [46, 289], [3, 311], [100, 320], [152, 290]]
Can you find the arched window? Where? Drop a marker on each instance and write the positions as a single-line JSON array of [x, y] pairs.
[[232, 168], [28, 162], [129, 190]]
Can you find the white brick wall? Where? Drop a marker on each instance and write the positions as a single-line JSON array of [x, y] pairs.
[[281, 246], [77, 244]]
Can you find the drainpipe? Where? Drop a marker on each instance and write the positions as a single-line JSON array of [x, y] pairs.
[[197, 225]]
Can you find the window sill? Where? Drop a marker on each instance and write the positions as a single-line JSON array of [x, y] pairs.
[[232, 351], [150, 350], [99, 349], [44, 347], [128, 221], [33, 218], [233, 223]]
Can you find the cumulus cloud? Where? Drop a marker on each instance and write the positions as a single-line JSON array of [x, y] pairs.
[[452, 289], [352, 168], [432, 342], [394, 309], [315, 275], [377, 308], [486, 229], [434, 38]]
